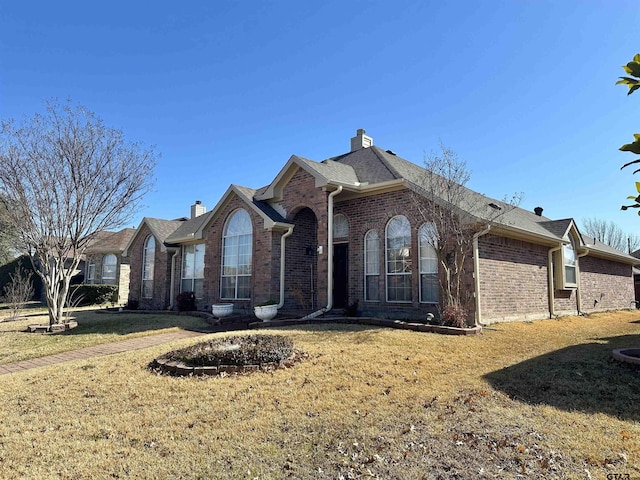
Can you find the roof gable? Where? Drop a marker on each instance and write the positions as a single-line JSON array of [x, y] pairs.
[[159, 228]]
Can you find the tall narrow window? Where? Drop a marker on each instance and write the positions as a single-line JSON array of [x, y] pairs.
[[193, 269], [91, 273], [148, 261], [429, 285], [398, 249], [371, 266], [109, 267], [237, 244], [569, 260]]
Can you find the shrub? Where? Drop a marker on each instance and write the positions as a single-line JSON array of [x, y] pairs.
[[240, 351], [186, 301], [82, 295], [351, 310], [132, 304], [454, 316]]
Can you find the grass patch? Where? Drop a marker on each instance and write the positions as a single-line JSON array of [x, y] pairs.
[[93, 328], [367, 403]]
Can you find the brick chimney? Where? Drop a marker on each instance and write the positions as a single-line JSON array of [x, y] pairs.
[[360, 140], [197, 209]]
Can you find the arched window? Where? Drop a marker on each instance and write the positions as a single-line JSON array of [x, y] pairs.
[[237, 242], [371, 266], [193, 269], [429, 284], [340, 226], [109, 266], [148, 261], [398, 254]]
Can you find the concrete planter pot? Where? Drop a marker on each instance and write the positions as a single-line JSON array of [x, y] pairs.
[[220, 310], [266, 312]]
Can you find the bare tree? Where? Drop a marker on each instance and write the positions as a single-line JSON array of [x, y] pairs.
[[19, 290], [611, 234], [453, 215], [64, 176]]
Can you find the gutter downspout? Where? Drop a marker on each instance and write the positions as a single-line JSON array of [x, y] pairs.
[[172, 287], [578, 299], [282, 263], [476, 272], [330, 257], [550, 285]]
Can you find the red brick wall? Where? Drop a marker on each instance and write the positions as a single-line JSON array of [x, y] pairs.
[[302, 200], [161, 273], [262, 282], [513, 279], [514, 282], [611, 284], [364, 214]]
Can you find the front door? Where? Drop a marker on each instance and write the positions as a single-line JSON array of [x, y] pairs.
[[340, 272]]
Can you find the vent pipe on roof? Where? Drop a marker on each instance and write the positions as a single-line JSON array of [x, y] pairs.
[[198, 209], [361, 140], [538, 211]]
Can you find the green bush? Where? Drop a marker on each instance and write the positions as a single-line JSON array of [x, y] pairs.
[[239, 350], [82, 295]]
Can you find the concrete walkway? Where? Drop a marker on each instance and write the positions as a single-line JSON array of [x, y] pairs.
[[98, 351]]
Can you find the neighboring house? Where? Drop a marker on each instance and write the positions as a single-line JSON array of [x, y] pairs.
[[105, 264], [324, 235]]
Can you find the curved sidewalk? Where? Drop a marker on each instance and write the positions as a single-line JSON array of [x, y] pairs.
[[98, 351]]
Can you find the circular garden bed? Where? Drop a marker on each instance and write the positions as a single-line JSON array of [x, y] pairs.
[[229, 355]]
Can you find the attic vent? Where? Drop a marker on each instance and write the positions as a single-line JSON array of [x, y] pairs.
[[538, 211], [391, 152], [494, 206]]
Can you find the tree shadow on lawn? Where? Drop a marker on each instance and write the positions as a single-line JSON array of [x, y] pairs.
[[90, 322], [581, 377]]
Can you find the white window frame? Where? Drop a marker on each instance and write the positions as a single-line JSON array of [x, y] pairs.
[[91, 273], [237, 247], [400, 268], [567, 259], [428, 261], [148, 266], [192, 276], [109, 280], [371, 264]]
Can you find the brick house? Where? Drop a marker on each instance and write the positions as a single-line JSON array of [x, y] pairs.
[[104, 263], [324, 235]]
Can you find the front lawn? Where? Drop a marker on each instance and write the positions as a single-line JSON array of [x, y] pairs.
[[367, 403], [93, 328]]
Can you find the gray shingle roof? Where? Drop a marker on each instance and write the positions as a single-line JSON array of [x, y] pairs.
[[110, 241]]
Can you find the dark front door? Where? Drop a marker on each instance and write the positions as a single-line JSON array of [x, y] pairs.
[[340, 272]]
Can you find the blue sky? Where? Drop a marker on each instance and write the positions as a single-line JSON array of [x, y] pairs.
[[227, 91]]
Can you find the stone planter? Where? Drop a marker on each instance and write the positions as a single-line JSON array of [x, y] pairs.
[[266, 312], [220, 310]]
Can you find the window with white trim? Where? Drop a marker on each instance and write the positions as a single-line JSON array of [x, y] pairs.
[[565, 266], [109, 267], [371, 266], [237, 245], [398, 259], [429, 284], [148, 262], [193, 269], [340, 226], [91, 273]]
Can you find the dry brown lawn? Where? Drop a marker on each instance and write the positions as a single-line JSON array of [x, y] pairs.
[[522, 400]]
